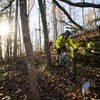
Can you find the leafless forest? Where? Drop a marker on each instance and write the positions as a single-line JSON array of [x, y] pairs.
[[28, 67]]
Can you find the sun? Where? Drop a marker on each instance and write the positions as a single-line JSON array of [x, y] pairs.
[[4, 29]]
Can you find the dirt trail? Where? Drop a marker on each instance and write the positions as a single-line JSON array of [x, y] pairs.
[[53, 82]]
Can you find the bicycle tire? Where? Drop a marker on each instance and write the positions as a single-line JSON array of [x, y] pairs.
[[70, 67]]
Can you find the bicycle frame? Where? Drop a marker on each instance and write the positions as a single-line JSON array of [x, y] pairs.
[[65, 59]]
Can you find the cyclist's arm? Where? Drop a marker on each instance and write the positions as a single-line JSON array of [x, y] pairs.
[[58, 42], [69, 40]]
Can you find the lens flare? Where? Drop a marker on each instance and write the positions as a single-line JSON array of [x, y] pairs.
[[4, 29]]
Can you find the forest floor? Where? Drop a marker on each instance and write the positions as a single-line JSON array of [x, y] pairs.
[[53, 82]]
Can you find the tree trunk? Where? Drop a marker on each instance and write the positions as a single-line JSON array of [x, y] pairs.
[[20, 40], [39, 32], [94, 11], [83, 14], [7, 50], [9, 46], [46, 40], [9, 35], [36, 39], [29, 51], [70, 10], [15, 35], [0, 43], [54, 21], [0, 49], [44, 5]]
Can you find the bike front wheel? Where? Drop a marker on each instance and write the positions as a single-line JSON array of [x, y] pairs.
[[70, 68]]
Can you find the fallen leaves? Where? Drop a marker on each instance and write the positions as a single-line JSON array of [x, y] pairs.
[[54, 84], [59, 85]]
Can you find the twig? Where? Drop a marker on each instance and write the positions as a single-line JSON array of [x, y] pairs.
[[7, 6], [31, 8], [81, 4]]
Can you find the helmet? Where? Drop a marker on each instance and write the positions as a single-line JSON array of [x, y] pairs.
[[67, 32]]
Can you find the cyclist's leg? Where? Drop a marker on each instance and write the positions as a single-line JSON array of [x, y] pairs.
[[68, 62], [59, 52], [63, 49]]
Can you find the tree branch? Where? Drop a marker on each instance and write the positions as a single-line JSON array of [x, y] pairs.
[[7, 6], [31, 8], [81, 4], [71, 26], [66, 13], [95, 20]]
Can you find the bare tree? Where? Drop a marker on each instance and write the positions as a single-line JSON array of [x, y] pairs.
[[9, 34], [46, 40], [94, 11], [7, 50], [9, 46], [78, 4], [81, 4], [83, 14], [67, 14], [54, 21], [29, 51], [36, 39], [0, 49], [20, 40], [39, 32], [16, 31]]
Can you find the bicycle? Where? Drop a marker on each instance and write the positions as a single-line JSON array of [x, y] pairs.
[[68, 62]]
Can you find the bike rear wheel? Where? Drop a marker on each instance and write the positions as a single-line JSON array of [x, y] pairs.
[[70, 67]]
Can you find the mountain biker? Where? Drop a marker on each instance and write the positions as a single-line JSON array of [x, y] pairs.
[[61, 43]]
